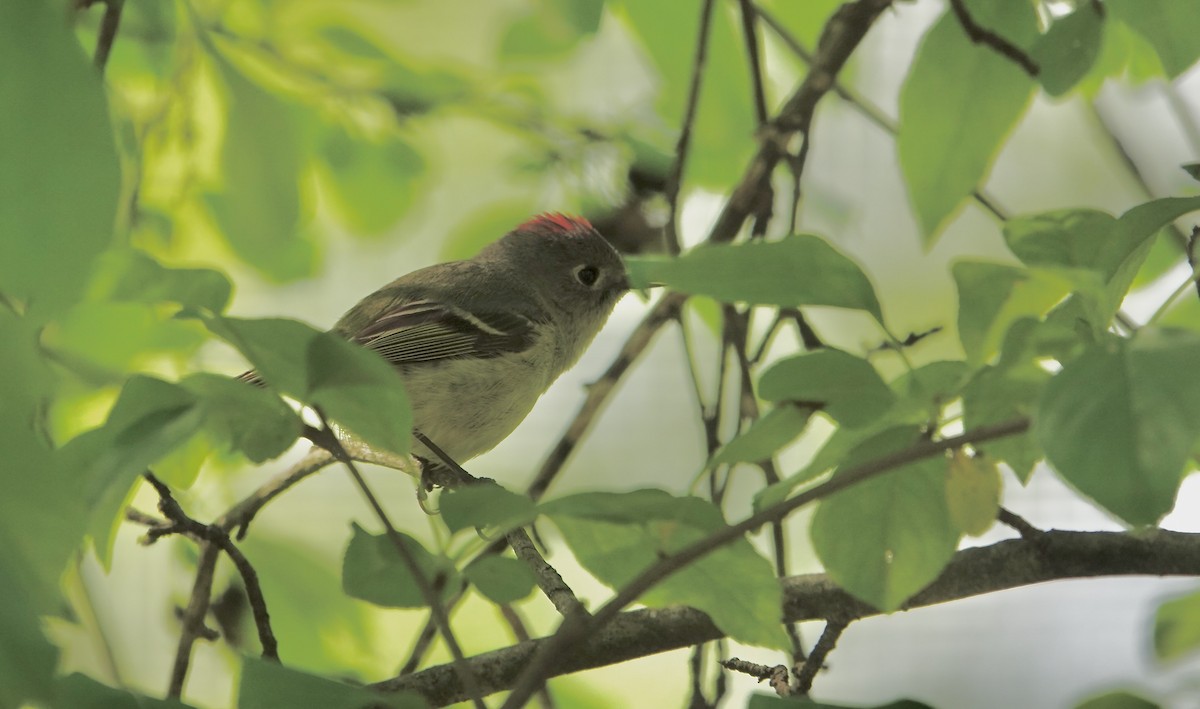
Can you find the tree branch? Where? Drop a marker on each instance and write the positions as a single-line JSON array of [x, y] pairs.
[[1014, 563], [982, 35]]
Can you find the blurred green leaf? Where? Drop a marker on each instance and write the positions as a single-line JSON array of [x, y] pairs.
[[374, 571], [132, 275], [59, 176], [667, 30], [1177, 627], [485, 506], [1118, 699], [353, 386], [550, 28], [27, 659], [246, 419], [1171, 26], [959, 103], [777, 428], [313, 618], [76, 691], [501, 579], [844, 386], [1192, 169], [258, 207], [992, 296], [1124, 444], [799, 270], [150, 419], [1067, 51], [373, 182], [973, 489], [617, 535], [107, 340], [269, 685], [483, 226], [885, 539]]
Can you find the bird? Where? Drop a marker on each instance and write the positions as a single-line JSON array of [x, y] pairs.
[[477, 342]]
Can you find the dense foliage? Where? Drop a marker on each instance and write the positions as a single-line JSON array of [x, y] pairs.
[[208, 142]]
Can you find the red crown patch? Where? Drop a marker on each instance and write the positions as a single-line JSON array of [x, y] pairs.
[[556, 221]]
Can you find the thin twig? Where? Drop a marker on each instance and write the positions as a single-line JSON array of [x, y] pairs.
[[1019, 523], [181, 523], [982, 35], [675, 177], [834, 627], [750, 34], [521, 634], [109, 24], [861, 104], [776, 676], [193, 617], [428, 632], [574, 628], [1191, 256], [696, 679], [598, 392], [327, 439]]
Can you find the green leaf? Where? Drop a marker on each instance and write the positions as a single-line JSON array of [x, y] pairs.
[[1171, 26], [973, 489], [777, 428], [959, 103], [844, 386], [992, 296], [667, 30], [1177, 627], [374, 571], [799, 270], [486, 506], [372, 182], [258, 208], [352, 385], [1119, 699], [82, 692], [551, 27], [104, 340], [1192, 169], [1124, 443], [245, 419], [27, 659], [150, 419], [997, 394], [501, 579], [132, 275], [59, 176], [313, 618], [885, 539], [1067, 51], [269, 685], [359, 390], [617, 535]]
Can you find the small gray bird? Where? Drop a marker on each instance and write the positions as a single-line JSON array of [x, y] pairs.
[[478, 341]]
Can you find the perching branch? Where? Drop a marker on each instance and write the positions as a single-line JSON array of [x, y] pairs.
[[180, 523], [675, 178], [327, 439], [1009, 564], [982, 35], [777, 677], [575, 628], [834, 627]]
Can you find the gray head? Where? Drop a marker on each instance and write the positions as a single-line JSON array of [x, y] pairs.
[[566, 260]]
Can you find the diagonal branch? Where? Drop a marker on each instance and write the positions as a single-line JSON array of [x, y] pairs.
[[1009, 564], [982, 35]]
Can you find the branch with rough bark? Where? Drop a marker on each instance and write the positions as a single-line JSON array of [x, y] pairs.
[[1015, 563]]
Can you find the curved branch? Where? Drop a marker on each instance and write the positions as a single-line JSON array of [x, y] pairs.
[[1005, 565]]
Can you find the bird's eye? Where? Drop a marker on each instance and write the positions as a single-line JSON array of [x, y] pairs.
[[587, 275]]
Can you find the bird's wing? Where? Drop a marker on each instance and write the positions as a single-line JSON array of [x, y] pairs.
[[427, 330]]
